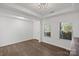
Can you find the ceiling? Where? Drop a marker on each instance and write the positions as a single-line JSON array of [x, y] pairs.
[[32, 10]]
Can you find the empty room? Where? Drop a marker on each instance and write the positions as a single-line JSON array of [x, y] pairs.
[[39, 29]]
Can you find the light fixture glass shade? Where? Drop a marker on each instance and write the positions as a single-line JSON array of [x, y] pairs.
[[42, 5]]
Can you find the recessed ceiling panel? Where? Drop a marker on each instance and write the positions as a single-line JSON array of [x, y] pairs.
[[35, 9]]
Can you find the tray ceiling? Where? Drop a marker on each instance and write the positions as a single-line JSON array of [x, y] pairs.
[[33, 9]]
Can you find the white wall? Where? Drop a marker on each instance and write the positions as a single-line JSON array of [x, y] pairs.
[[55, 21], [14, 30], [36, 29]]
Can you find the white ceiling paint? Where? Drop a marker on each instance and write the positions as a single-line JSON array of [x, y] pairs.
[[51, 7], [32, 10]]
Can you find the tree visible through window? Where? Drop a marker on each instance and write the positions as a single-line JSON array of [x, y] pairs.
[[66, 31]]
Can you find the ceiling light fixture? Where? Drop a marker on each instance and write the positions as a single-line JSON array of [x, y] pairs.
[[42, 5]]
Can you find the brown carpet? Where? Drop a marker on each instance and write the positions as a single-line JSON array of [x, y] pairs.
[[32, 48]]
